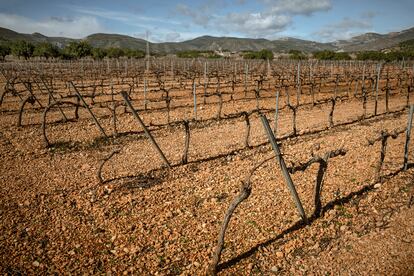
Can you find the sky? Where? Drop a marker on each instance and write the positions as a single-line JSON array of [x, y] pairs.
[[164, 20]]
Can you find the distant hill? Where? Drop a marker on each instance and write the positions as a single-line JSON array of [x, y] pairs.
[[115, 40], [368, 41], [374, 41], [250, 44], [9, 35]]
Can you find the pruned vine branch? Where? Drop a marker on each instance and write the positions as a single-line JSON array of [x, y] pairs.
[[243, 194], [383, 137], [103, 161], [317, 159]]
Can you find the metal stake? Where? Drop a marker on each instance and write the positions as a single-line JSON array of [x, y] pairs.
[[89, 110], [407, 137], [282, 164], [146, 131]]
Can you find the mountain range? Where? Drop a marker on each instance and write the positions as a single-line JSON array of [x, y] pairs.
[[364, 42]]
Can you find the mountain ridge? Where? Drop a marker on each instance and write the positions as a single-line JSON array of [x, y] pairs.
[[363, 42]]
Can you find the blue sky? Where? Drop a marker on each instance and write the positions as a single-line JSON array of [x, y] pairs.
[[319, 20]]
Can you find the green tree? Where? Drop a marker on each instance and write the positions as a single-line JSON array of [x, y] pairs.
[[342, 56], [262, 54], [114, 52], [265, 54], [324, 55], [296, 54], [4, 51], [132, 53], [78, 49], [22, 48], [46, 50], [371, 55], [399, 55], [98, 53], [189, 54]]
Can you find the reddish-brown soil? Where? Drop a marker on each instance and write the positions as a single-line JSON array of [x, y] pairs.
[[148, 220]]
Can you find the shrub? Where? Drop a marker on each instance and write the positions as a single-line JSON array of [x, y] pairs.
[[22, 48], [98, 53], [114, 52], [296, 54], [262, 54], [134, 53], [4, 50], [79, 49], [46, 50]]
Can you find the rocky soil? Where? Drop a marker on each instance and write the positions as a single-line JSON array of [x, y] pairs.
[[147, 220]]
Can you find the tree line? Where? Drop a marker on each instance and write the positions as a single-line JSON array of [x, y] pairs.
[[74, 50], [80, 49], [196, 54]]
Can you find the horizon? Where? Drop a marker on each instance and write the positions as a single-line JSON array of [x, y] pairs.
[[280, 38], [177, 21]]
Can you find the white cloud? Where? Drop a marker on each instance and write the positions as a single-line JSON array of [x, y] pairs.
[[344, 29], [172, 37], [304, 7], [76, 27], [199, 17], [124, 17], [270, 18], [348, 23], [254, 24]]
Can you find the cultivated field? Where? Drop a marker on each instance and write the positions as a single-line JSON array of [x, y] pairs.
[[87, 189]]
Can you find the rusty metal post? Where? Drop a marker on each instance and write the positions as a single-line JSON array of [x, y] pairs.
[[146, 131], [89, 110], [276, 113], [407, 137], [282, 164]]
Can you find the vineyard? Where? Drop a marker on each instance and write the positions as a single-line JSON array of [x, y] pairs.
[[190, 166]]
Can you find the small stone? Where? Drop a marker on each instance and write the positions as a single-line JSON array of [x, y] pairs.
[[274, 269], [36, 263], [376, 186], [71, 252], [196, 264], [315, 246], [343, 228], [332, 213], [280, 254], [108, 189]]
